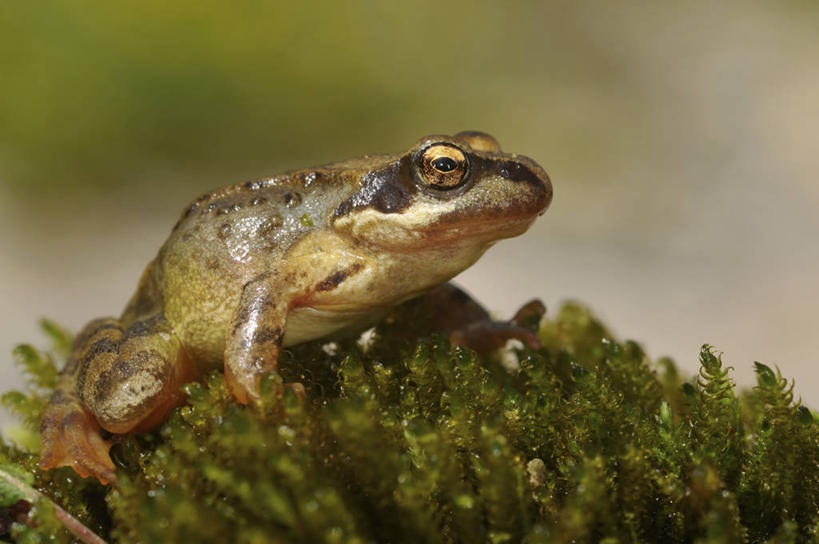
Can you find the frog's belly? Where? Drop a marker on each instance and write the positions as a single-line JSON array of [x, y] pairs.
[[305, 324]]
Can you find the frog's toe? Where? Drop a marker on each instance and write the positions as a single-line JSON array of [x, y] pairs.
[[73, 439], [530, 314], [239, 388]]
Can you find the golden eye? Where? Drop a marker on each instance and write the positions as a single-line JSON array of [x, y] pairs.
[[443, 166]]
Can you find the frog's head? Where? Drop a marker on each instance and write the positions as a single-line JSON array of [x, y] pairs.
[[446, 191]]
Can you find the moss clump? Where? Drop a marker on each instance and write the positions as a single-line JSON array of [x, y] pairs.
[[414, 441]]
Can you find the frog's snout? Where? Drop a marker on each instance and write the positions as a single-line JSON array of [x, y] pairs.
[[546, 192], [521, 169]]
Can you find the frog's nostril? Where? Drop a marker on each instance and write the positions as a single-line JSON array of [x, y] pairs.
[[511, 171], [522, 173]]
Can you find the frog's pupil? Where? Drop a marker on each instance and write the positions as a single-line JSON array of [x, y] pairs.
[[444, 164]]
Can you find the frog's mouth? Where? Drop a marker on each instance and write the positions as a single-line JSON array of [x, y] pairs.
[[454, 228]]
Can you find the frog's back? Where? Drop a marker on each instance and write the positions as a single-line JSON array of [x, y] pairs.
[[252, 222], [226, 238], [250, 219]]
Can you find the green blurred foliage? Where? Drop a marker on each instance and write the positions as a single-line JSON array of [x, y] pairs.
[[97, 94]]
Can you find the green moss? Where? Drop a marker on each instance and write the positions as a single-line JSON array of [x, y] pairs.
[[414, 441]]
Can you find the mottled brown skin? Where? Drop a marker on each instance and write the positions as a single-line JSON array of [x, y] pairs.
[[266, 264]]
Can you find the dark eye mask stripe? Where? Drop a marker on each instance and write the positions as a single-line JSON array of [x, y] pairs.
[[388, 190]]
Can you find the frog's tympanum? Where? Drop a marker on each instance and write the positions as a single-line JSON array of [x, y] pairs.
[[259, 266]]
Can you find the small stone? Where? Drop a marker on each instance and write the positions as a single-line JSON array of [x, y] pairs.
[[537, 472]]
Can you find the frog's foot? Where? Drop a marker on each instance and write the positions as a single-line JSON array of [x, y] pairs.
[[487, 335], [452, 310], [244, 395], [490, 335], [71, 437]]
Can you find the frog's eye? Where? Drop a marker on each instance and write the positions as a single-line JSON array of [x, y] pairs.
[[443, 166]]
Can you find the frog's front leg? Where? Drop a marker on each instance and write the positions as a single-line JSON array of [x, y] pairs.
[[121, 379], [311, 279], [256, 339]]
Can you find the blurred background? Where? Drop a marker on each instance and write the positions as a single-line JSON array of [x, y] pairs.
[[681, 138]]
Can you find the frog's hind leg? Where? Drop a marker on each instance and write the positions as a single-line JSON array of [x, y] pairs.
[[70, 436], [121, 380], [136, 385], [469, 324]]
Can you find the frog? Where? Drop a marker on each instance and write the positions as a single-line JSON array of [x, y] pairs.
[[256, 267]]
